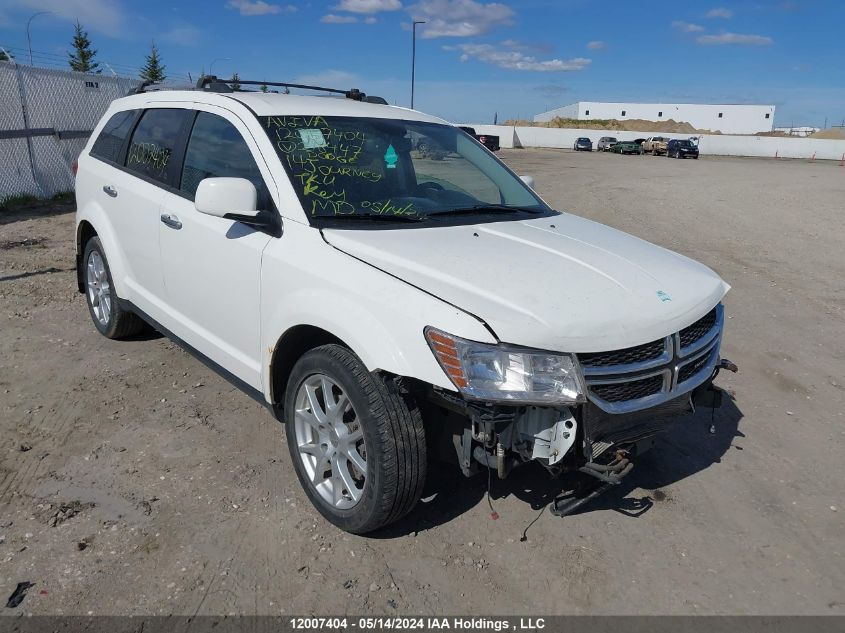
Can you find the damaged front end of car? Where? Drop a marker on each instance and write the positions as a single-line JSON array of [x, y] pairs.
[[588, 413]]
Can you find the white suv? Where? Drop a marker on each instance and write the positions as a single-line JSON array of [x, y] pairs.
[[389, 305]]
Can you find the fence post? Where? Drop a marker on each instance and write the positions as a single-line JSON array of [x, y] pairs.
[[22, 96]]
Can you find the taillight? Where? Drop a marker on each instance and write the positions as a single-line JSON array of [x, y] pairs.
[[74, 167], [483, 139]]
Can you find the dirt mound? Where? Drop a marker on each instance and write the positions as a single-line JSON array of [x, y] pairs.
[[836, 133], [638, 125]]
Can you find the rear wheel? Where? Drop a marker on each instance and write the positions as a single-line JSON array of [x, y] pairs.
[[357, 442], [109, 318]]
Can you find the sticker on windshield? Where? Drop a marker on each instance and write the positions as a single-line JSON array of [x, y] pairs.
[[391, 157], [311, 139]]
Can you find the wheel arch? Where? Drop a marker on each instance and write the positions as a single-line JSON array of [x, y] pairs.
[[290, 347], [84, 232]]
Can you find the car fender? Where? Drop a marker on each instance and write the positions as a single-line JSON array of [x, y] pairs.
[[306, 281], [96, 216]]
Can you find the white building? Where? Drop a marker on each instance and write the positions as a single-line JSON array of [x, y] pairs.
[[727, 118]]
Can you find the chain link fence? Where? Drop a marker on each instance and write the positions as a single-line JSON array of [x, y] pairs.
[[46, 116]]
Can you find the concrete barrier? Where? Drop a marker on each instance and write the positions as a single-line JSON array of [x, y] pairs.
[[712, 144]]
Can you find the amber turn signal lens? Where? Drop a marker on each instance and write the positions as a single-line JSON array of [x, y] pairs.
[[446, 353]]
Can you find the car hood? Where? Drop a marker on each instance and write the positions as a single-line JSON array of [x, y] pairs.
[[559, 283]]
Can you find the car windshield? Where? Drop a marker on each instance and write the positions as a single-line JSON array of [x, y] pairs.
[[685, 143], [386, 170]]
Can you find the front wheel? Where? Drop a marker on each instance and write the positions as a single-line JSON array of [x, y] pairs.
[[357, 442]]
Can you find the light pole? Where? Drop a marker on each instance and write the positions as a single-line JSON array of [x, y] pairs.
[[28, 40], [219, 59], [414, 56]]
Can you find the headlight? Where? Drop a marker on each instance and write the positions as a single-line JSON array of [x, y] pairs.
[[499, 373]]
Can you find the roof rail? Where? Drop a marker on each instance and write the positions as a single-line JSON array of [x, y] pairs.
[[151, 86], [211, 83], [140, 89]]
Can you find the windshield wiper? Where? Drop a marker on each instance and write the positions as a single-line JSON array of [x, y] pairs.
[[481, 209], [374, 217]]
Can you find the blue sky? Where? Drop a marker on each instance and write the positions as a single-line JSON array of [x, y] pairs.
[[477, 58]]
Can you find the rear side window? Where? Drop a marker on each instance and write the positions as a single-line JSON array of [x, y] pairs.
[[114, 133], [215, 149], [154, 142]]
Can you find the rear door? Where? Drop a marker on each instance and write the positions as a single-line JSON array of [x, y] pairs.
[[211, 265], [137, 191]]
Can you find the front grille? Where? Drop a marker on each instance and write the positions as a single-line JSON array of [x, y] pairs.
[[627, 356], [691, 369], [629, 390], [694, 332], [631, 379]]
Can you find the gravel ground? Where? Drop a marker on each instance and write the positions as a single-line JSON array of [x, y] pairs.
[[135, 481]]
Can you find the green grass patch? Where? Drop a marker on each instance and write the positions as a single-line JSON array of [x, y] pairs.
[[25, 200]]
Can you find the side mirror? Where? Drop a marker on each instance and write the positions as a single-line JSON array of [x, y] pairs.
[[231, 198], [528, 180]]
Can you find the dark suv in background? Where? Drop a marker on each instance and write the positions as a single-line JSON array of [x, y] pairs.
[[583, 144], [678, 148]]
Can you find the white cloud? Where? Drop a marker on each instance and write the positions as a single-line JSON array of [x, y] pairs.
[[517, 60], [368, 6], [182, 36], [720, 13], [686, 27], [259, 7], [331, 18], [102, 16], [736, 38], [596, 45], [460, 18]]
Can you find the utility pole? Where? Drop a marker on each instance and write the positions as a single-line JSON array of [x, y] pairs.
[[414, 56], [28, 40]]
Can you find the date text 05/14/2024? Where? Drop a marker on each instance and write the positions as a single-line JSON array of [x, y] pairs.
[[417, 623]]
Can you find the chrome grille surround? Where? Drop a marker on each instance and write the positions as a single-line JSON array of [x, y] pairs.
[[682, 369]]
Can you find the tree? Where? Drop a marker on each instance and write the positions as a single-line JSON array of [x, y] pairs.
[[82, 58], [236, 84], [263, 88], [153, 70]]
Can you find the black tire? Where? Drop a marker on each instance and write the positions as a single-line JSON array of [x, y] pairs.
[[393, 439], [120, 323]]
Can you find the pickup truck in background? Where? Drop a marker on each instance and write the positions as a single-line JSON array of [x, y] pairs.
[[656, 145], [490, 141]]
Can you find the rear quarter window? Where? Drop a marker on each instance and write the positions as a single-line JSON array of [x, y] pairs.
[[153, 143], [113, 135]]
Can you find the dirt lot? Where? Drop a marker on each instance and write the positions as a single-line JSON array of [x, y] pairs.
[[135, 481]]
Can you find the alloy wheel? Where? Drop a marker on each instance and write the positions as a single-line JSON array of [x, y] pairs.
[[99, 290], [330, 441]]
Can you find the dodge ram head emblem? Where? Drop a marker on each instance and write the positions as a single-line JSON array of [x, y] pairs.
[[664, 297]]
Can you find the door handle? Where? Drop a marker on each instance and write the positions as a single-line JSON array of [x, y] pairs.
[[171, 220], [111, 191]]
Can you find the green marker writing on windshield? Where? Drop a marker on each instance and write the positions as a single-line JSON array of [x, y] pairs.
[[391, 157]]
